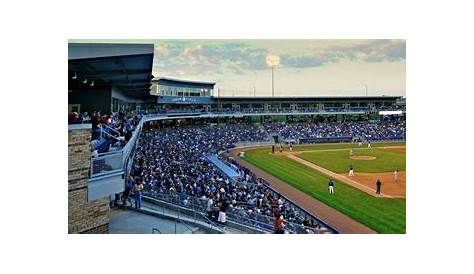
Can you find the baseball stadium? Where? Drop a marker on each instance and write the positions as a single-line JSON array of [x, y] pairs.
[[170, 155]]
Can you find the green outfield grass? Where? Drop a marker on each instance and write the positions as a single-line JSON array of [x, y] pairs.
[[382, 215], [339, 160]]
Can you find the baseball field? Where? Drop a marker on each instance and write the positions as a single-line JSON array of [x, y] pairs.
[[308, 168]]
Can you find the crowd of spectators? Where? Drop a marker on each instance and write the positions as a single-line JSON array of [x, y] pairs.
[[108, 129], [173, 160], [373, 131]]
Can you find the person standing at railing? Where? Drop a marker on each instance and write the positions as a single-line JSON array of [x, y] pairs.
[[128, 129], [210, 208], [138, 193], [279, 225], [222, 211]]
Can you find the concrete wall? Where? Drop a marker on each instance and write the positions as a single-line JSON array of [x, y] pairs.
[[83, 217]]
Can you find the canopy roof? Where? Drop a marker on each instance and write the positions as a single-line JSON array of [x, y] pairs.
[[127, 67]]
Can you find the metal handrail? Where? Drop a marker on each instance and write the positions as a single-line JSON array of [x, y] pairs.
[[113, 129], [108, 134], [155, 229], [178, 220], [254, 220], [211, 222]]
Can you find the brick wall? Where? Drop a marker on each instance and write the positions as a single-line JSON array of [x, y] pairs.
[[83, 216]]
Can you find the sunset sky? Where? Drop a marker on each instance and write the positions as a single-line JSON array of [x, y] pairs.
[[306, 67]]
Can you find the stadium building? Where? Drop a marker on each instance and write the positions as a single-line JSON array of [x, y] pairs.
[[117, 78]]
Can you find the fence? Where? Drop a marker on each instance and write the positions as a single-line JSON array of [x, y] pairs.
[[239, 214]]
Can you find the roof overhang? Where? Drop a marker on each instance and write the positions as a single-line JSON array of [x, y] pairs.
[[127, 67], [181, 82]]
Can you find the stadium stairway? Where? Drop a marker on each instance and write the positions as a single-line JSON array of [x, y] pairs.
[[228, 171]]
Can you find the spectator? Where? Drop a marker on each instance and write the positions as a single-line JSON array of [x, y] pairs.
[[126, 192], [138, 193], [210, 208], [222, 211], [279, 225]]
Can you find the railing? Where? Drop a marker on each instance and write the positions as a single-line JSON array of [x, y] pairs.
[[196, 218], [102, 133], [239, 215], [155, 229], [106, 164], [111, 128], [250, 143], [118, 160], [178, 220]]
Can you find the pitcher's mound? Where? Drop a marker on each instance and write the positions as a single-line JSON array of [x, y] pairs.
[[364, 158]]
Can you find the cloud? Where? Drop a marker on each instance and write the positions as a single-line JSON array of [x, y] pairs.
[[209, 58], [301, 61], [370, 51], [199, 57]]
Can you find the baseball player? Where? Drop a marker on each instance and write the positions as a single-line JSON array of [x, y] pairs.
[[368, 144], [281, 147], [351, 171], [331, 186], [291, 147], [395, 175], [351, 152]]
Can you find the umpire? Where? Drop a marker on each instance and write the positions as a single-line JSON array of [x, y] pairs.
[[379, 185]]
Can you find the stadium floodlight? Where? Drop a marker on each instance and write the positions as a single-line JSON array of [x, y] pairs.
[[273, 60], [75, 76], [85, 81]]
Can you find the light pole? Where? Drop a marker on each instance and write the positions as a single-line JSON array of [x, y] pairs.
[[254, 89], [273, 85], [366, 89], [273, 60]]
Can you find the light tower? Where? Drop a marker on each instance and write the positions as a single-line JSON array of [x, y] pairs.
[[273, 60], [366, 89]]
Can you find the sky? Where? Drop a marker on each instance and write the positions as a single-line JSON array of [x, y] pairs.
[[303, 67]]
